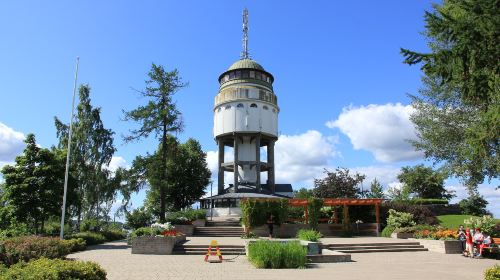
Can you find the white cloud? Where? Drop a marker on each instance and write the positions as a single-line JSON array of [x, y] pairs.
[[385, 175], [117, 162], [382, 130], [489, 192], [11, 143], [303, 157]]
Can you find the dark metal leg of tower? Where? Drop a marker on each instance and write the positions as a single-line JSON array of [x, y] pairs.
[[270, 162], [257, 159], [221, 168], [235, 164]]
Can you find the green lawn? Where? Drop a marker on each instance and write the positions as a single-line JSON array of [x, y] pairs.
[[453, 221]]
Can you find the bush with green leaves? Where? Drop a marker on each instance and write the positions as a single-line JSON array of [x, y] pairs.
[[54, 269], [26, 248], [256, 212], [76, 244], [113, 234], [314, 208], [269, 254], [146, 231], [14, 229], [492, 273], [89, 225], [309, 235], [429, 201], [486, 223], [137, 218], [387, 231], [474, 205], [414, 229], [421, 214], [91, 238], [399, 219]]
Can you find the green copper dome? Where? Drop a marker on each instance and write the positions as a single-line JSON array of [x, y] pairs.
[[246, 64]]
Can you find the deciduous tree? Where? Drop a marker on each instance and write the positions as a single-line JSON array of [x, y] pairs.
[[338, 184]]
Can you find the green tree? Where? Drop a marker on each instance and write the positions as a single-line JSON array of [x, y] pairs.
[[159, 116], [458, 113], [139, 217], [34, 185], [475, 204], [424, 182], [338, 184], [303, 193], [92, 150], [376, 190]]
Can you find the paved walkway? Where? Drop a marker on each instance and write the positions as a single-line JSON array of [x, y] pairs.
[[116, 259]]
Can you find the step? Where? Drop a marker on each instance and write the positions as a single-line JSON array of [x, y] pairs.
[[373, 247], [354, 251], [372, 244]]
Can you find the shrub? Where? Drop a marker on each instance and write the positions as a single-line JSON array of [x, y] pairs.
[[75, 245], [399, 219], [309, 235], [314, 207], [388, 230], [146, 231], [486, 223], [25, 248], [413, 229], [15, 229], [268, 254], [89, 225], [492, 273], [429, 201], [249, 235], [55, 270], [139, 217], [421, 214], [112, 235], [255, 212], [91, 238]]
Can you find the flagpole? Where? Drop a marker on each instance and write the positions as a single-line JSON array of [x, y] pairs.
[[61, 235]]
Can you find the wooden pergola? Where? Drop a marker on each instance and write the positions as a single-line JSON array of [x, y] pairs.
[[345, 202]]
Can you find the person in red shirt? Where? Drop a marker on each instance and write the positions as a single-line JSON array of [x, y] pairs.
[[469, 244]]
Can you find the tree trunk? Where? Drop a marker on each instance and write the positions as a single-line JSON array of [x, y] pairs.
[[163, 183]]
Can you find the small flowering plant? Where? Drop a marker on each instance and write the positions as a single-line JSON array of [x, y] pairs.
[[359, 222], [158, 228], [170, 233]]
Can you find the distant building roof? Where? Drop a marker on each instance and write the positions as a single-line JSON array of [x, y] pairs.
[[245, 195], [245, 64]]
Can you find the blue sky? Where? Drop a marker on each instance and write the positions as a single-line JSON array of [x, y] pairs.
[[339, 77]]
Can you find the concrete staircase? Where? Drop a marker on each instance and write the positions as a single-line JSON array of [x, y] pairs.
[[376, 247], [182, 249], [219, 229]]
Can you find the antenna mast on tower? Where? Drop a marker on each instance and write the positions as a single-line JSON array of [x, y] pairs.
[[244, 53]]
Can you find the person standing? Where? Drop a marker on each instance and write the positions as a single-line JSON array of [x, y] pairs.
[[461, 236], [270, 225], [469, 244]]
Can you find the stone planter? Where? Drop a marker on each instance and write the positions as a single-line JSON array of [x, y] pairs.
[[401, 235], [185, 229], [249, 241], [199, 223], [313, 248], [441, 246], [153, 245]]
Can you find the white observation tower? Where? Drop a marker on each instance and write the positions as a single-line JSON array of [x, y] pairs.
[[246, 118]]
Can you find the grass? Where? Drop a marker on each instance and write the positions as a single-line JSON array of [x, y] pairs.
[[454, 221], [269, 254], [309, 235]]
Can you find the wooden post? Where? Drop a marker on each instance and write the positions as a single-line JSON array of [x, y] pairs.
[[345, 222], [377, 217]]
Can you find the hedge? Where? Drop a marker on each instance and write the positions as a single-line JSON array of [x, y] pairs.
[[428, 201], [269, 254], [492, 273], [113, 234], [91, 238], [421, 214], [256, 212], [56, 269], [75, 245], [26, 248]]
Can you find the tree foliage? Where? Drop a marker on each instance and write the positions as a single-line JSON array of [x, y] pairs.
[[338, 184], [376, 190], [424, 182], [303, 193], [458, 113], [34, 185], [159, 116], [91, 151], [475, 204]]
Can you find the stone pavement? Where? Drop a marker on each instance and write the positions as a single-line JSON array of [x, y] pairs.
[[116, 259]]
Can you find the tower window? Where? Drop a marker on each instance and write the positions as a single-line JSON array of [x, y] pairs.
[[226, 78], [244, 73], [228, 107], [238, 74], [240, 105], [218, 110], [231, 75], [253, 105], [265, 107], [252, 74], [258, 76]]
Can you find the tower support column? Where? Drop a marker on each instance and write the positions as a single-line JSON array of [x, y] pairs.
[[257, 160], [220, 180], [270, 162], [235, 163]]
